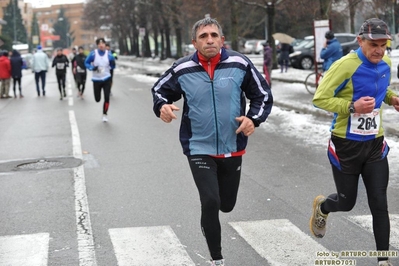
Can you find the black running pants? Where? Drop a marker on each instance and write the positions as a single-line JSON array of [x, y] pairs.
[[61, 82], [102, 85], [217, 180], [375, 178]]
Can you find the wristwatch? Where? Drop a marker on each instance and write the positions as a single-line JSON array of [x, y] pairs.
[[352, 109]]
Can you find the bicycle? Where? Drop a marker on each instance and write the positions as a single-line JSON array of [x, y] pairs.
[[312, 81]]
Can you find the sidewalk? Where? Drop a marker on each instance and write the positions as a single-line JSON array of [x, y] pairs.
[[288, 88]]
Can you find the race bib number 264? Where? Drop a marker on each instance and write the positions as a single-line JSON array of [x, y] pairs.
[[365, 124]]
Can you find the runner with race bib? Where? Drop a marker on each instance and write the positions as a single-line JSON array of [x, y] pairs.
[[354, 89]]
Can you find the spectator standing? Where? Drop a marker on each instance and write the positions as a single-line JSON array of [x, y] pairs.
[[40, 63], [267, 62], [60, 62], [5, 75], [16, 72], [331, 51], [284, 59]]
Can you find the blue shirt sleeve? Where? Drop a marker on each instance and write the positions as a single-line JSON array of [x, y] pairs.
[[111, 59], [89, 60]]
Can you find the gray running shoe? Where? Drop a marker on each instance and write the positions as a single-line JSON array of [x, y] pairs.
[[318, 221]]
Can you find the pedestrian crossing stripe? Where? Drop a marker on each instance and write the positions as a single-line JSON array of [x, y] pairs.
[[279, 241], [22, 250], [365, 222], [150, 246]]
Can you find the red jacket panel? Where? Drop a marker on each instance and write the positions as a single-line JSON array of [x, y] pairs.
[[5, 68]]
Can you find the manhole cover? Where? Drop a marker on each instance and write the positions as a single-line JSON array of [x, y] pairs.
[[40, 164]]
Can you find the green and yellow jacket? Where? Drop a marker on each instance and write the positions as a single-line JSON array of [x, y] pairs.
[[350, 78]]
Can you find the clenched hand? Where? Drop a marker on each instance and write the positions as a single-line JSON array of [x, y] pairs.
[[246, 125], [167, 112]]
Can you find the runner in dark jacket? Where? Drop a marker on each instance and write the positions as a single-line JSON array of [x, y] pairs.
[[79, 70], [61, 62], [16, 71]]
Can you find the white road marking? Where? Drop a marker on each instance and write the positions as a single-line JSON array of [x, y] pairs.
[[149, 246], [87, 256], [22, 250], [280, 242], [365, 222]]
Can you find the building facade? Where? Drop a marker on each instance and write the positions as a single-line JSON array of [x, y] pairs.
[[48, 16], [26, 13]]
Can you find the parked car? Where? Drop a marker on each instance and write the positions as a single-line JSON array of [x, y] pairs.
[[227, 45], [253, 47], [189, 49], [27, 60], [348, 42], [259, 47], [303, 55]]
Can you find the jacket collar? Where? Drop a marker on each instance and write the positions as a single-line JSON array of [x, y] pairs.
[[223, 55]]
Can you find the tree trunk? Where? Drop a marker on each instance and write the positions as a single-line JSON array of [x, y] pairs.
[[234, 25]]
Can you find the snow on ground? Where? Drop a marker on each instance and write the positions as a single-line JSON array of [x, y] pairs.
[[311, 129]]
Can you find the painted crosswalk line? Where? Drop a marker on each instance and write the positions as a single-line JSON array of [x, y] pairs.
[[365, 222], [150, 246], [22, 250], [280, 242]]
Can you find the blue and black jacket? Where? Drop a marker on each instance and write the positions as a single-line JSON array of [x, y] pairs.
[[208, 122]]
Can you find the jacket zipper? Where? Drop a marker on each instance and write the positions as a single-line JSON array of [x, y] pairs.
[[214, 108]]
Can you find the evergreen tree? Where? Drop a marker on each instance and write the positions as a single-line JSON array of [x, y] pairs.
[[35, 32], [15, 29], [62, 29]]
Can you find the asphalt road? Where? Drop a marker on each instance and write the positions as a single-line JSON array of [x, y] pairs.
[[140, 195]]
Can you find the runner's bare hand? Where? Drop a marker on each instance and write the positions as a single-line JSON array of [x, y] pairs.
[[395, 103], [365, 105], [167, 112], [246, 125]]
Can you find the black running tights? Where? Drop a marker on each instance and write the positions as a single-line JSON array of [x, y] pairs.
[[61, 82], [375, 178], [106, 86], [217, 180]]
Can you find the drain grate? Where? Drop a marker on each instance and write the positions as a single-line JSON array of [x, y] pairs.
[[40, 164]]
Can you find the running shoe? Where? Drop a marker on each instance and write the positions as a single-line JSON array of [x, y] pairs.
[[218, 263], [385, 263], [105, 118], [318, 221]]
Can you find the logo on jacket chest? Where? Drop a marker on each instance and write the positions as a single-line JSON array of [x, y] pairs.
[[224, 82]]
